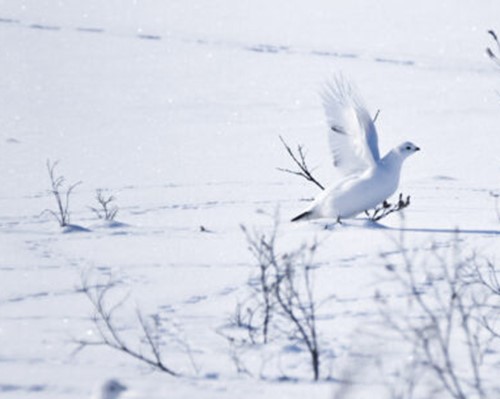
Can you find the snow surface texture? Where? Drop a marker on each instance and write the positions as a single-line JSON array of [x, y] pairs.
[[175, 108]]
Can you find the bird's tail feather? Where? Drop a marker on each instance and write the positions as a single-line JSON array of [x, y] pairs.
[[303, 216]]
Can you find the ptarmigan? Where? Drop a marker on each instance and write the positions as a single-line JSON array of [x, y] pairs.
[[368, 179]]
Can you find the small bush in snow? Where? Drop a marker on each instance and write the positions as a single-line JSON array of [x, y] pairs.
[[448, 321], [106, 210], [281, 306], [61, 195], [147, 348]]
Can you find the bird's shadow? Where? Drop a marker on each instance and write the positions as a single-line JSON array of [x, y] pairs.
[[371, 224]]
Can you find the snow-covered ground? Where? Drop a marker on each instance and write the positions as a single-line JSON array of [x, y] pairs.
[[175, 108]]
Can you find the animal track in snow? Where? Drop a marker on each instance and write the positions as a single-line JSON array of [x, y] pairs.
[[264, 48]]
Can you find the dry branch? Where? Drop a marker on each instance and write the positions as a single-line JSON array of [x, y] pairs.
[[106, 211], [259, 316], [281, 305], [386, 208], [494, 54], [297, 303], [62, 196], [299, 159], [149, 352], [449, 298]]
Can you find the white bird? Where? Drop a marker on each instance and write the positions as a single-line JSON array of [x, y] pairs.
[[111, 389], [368, 179]]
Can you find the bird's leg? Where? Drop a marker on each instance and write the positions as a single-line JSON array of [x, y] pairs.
[[330, 226]]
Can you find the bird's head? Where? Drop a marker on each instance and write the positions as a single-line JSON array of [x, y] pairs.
[[406, 149]]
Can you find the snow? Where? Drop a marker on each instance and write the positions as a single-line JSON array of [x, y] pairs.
[[175, 108]]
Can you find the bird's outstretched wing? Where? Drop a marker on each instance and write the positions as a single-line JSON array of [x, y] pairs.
[[352, 134]]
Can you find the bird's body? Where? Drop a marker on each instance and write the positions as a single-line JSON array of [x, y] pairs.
[[368, 180]]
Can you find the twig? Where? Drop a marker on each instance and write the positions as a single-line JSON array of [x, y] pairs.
[[109, 336], [299, 310], [300, 160], [106, 211], [62, 215], [282, 304], [260, 246], [235, 347], [447, 302], [494, 57], [297, 306], [386, 208]]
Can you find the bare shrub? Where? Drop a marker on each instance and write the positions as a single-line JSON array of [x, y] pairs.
[[147, 350], [61, 195], [451, 297], [260, 311], [294, 294], [106, 210], [281, 306]]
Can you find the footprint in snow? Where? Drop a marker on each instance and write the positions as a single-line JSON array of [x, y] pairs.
[[195, 299], [110, 389]]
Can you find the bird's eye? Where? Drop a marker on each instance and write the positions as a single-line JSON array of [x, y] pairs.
[[408, 148]]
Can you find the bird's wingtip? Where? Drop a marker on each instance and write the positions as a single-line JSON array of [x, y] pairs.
[[303, 216]]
